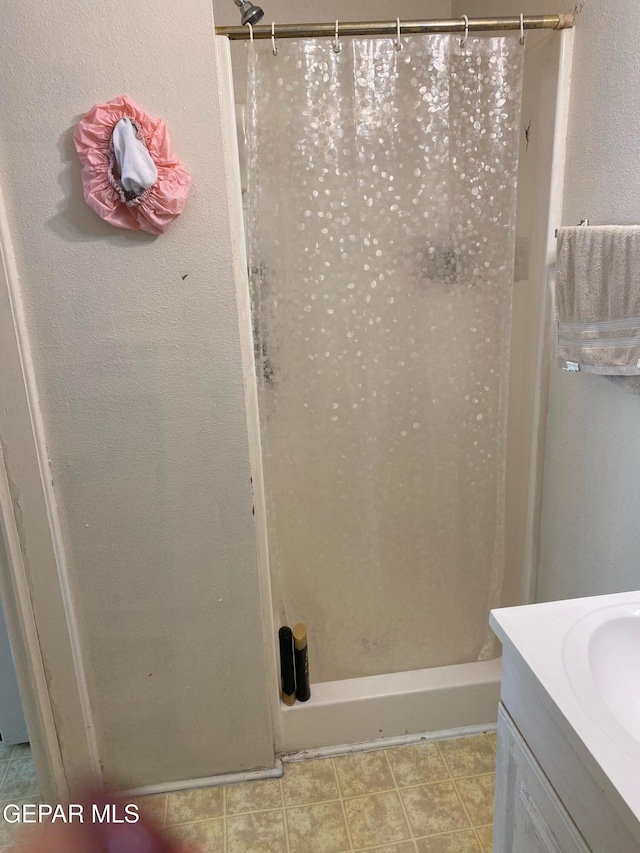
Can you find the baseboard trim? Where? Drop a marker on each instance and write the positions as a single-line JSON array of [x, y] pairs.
[[206, 782]]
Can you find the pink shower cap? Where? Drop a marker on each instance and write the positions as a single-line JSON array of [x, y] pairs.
[[156, 207]]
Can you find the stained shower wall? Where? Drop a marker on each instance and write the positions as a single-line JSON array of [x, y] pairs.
[[137, 359], [591, 497]]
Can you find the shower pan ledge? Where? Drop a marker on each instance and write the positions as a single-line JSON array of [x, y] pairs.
[[363, 710]]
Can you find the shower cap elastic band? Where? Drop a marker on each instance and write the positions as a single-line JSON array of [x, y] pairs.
[[155, 207]]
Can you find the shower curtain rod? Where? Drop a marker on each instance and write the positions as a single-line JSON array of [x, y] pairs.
[[408, 28]]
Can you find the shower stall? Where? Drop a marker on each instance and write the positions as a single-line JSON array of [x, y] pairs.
[[399, 210]]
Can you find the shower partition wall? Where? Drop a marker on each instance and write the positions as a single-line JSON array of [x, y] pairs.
[[382, 189]]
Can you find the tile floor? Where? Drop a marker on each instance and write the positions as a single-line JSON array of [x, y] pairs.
[[429, 797], [18, 784]]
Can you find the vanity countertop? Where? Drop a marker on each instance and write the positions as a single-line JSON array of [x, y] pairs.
[[584, 658]]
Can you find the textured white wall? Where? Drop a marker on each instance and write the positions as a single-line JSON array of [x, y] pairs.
[[137, 358], [590, 539]]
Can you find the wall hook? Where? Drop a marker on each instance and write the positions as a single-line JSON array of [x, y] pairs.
[[274, 45]]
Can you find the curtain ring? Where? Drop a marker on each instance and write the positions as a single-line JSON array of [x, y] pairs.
[[337, 47], [274, 45], [398, 44], [463, 41], [521, 28], [250, 31]]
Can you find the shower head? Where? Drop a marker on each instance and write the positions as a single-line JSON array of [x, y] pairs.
[[250, 14]]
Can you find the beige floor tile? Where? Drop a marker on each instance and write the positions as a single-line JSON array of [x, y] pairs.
[[20, 779], [253, 796], [453, 842], [485, 834], [199, 804], [493, 739], [319, 828], [468, 756], [154, 807], [6, 751], [434, 808], [363, 773], [309, 782], [376, 819], [10, 832], [403, 847], [262, 832], [207, 833], [477, 795], [417, 764]]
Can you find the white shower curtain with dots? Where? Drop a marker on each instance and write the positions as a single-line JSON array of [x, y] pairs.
[[381, 219]]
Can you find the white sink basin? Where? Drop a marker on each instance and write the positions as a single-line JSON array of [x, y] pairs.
[[602, 661], [614, 651]]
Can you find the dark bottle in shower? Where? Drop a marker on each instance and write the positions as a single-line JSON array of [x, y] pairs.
[[303, 686], [287, 671]]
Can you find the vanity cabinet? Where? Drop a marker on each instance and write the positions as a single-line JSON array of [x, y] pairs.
[[529, 817], [566, 781]]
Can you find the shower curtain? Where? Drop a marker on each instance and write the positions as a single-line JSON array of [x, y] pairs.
[[381, 218]]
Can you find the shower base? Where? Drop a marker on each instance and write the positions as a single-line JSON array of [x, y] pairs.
[[360, 710]]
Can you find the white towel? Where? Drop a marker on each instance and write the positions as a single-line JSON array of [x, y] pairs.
[[598, 299], [138, 172]]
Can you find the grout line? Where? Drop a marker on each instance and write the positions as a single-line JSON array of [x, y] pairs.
[[342, 805], [494, 743], [337, 775], [485, 826], [462, 802], [203, 820], [284, 817], [332, 801], [2, 777], [225, 827], [254, 811], [446, 832], [264, 811], [402, 805], [446, 779]]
